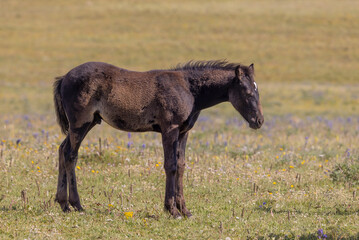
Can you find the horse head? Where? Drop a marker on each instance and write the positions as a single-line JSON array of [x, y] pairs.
[[244, 96]]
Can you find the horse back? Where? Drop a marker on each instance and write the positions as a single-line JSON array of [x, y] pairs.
[[128, 100]]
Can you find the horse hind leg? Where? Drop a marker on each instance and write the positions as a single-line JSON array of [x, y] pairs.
[[75, 137], [61, 194]]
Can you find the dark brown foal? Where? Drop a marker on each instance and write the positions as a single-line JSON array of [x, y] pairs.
[[164, 101]]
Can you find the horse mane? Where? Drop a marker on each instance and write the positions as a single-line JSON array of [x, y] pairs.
[[207, 65]]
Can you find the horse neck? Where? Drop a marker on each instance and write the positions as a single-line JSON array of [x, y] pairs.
[[209, 87]]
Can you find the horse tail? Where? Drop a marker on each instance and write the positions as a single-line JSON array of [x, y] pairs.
[[59, 108]]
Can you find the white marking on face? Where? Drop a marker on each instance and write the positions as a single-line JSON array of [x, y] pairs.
[[255, 85]]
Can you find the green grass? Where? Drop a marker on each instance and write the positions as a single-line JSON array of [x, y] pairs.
[[306, 57], [225, 160]]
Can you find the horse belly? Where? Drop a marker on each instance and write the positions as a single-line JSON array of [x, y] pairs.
[[131, 122]]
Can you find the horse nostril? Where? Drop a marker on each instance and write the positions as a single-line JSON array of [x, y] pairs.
[[260, 121]]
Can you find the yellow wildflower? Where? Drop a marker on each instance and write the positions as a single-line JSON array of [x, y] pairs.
[[291, 167], [128, 214], [274, 183], [78, 167]]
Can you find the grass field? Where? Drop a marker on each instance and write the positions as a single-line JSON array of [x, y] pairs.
[[296, 175]]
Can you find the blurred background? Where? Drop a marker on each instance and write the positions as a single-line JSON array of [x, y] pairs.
[[295, 178], [306, 53]]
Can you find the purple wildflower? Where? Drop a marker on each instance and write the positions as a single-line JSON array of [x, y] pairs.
[[347, 152], [321, 234], [306, 141]]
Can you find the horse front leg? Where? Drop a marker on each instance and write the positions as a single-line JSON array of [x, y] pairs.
[[180, 202], [170, 145]]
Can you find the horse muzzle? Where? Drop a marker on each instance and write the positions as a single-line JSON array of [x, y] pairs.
[[256, 123]]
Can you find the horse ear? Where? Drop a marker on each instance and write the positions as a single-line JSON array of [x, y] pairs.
[[239, 72], [251, 68]]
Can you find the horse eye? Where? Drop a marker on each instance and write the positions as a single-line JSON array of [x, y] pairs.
[[250, 93]]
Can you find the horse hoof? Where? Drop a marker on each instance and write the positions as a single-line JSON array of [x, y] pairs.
[[66, 209], [176, 214], [79, 209]]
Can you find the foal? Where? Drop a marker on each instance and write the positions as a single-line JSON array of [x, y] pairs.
[[165, 101]]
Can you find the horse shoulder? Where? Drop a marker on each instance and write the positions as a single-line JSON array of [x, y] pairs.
[[173, 95]]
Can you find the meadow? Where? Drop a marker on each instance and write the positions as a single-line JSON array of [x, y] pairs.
[[295, 178]]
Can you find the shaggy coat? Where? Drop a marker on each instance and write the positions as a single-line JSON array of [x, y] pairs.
[[164, 101]]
